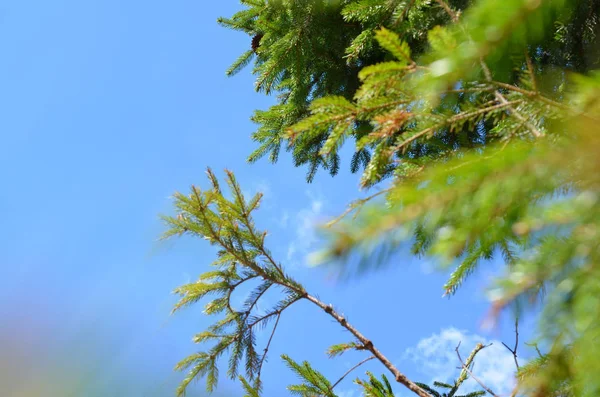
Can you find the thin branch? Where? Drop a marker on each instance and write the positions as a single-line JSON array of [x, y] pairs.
[[405, 12], [458, 117], [274, 313], [531, 70], [469, 363], [453, 15], [488, 75], [257, 299], [354, 205], [534, 130], [368, 345], [514, 350], [266, 350], [243, 281], [232, 287], [350, 370], [465, 368], [534, 94]]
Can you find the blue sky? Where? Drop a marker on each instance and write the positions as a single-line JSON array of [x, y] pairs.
[[108, 107]]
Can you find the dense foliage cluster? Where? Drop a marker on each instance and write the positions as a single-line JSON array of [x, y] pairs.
[[483, 116]]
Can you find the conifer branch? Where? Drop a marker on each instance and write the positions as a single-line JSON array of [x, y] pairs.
[[235, 216], [536, 132], [454, 119], [488, 75], [536, 95]]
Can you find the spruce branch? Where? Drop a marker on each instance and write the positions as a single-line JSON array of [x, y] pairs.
[[451, 120], [231, 227], [488, 75]]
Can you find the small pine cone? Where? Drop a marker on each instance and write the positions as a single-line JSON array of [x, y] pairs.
[[256, 41]]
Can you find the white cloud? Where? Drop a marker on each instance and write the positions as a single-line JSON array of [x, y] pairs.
[[435, 357], [306, 220]]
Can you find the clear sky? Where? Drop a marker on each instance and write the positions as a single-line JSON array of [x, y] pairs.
[[108, 107]]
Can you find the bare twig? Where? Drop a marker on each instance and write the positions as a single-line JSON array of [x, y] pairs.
[[468, 371], [368, 345], [469, 363], [350, 370], [266, 350], [514, 350]]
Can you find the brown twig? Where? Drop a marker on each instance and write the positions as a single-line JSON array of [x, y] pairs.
[[368, 345], [514, 350], [266, 350], [350, 370]]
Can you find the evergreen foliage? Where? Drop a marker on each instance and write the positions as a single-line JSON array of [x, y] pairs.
[[227, 222], [484, 115]]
